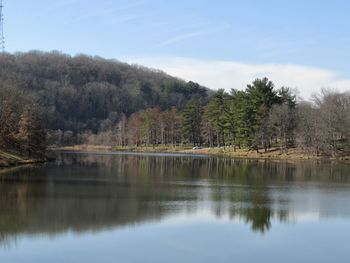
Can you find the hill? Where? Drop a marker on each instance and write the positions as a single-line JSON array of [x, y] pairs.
[[56, 99], [80, 93]]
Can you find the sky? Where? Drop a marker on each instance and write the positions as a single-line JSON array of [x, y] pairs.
[[219, 44]]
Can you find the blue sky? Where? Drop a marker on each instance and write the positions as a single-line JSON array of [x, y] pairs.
[[303, 44]]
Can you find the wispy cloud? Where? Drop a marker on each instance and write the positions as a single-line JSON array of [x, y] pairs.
[[188, 35], [230, 74], [59, 5], [345, 39], [122, 19], [108, 10], [107, 13], [179, 23], [180, 38], [271, 47]]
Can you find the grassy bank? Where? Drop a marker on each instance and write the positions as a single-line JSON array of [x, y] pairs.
[[9, 159], [274, 153], [142, 149], [292, 154]]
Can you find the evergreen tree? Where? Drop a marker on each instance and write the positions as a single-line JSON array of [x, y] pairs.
[[239, 117], [192, 119], [215, 113], [261, 97]]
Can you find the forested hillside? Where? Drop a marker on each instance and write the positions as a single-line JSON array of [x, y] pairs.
[[80, 92], [56, 99], [68, 96]]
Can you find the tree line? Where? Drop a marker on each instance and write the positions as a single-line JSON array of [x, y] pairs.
[[258, 118], [56, 99]]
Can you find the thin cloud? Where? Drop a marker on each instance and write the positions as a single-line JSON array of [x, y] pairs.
[[189, 35], [179, 23], [180, 38], [229, 74], [59, 5], [107, 12], [345, 39], [122, 19], [270, 47]]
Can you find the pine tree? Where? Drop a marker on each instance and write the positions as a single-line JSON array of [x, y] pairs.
[[215, 113], [192, 119], [261, 97]]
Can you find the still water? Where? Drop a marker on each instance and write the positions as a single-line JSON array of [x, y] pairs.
[[174, 208]]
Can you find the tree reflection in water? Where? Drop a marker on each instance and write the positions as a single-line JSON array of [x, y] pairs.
[[91, 192]]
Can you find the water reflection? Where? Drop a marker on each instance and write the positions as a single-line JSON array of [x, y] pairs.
[[89, 192]]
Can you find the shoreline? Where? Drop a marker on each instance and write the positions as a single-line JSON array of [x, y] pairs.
[[272, 154], [4, 164], [8, 160]]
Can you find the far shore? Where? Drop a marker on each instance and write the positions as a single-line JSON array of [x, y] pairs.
[[228, 152], [11, 160]]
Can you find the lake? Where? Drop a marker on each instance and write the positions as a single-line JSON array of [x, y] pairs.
[[122, 207]]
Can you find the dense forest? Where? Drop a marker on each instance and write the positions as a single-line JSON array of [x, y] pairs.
[[75, 95], [22, 123], [56, 99], [257, 118]]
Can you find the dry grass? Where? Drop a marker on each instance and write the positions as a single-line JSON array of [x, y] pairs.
[[271, 154], [274, 153], [101, 148]]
